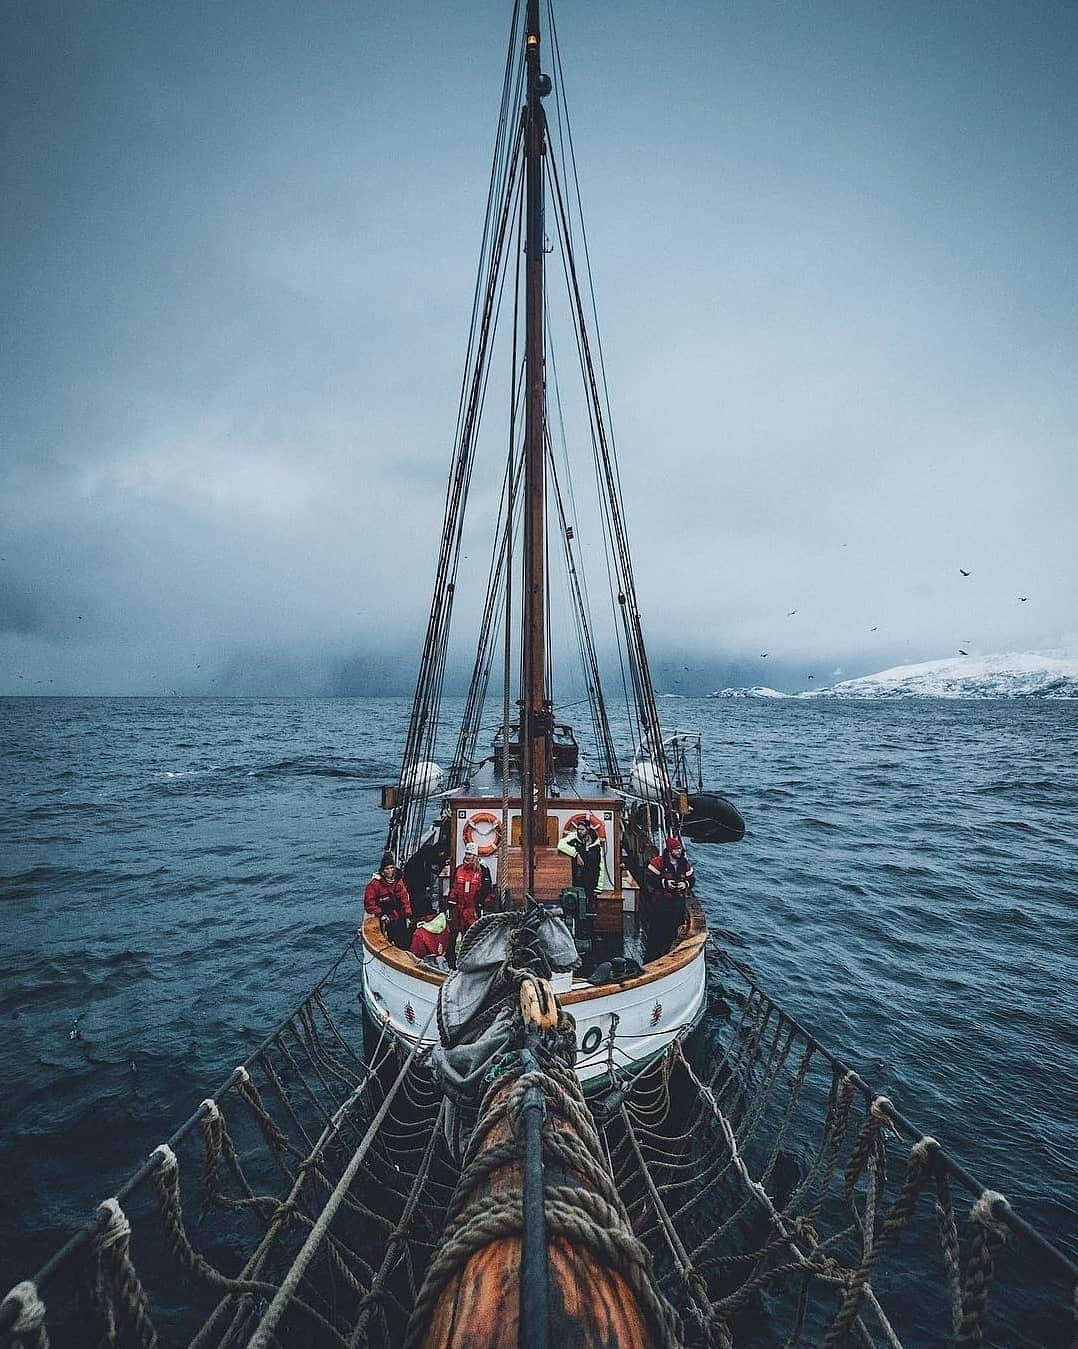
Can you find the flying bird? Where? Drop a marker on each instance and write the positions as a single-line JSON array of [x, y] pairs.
[[763, 655], [1022, 599], [791, 613], [962, 653], [873, 629], [812, 676], [963, 571]]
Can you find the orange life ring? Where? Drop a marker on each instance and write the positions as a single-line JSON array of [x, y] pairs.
[[492, 833], [583, 816]]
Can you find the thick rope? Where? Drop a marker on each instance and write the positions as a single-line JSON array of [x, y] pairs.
[[28, 1329], [921, 1162], [264, 1333], [586, 1219], [593, 1220], [952, 1256], [112, 1297], [196, 1266], [989, 1231]]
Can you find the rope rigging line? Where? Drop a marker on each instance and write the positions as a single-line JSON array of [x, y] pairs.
[[589, 659], [287, 1291], [627, 592], [406, 821], [577, 582], [416, 798], [759, 1171], [501, 559]]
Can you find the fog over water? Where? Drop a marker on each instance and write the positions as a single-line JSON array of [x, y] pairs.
[[834, 263]]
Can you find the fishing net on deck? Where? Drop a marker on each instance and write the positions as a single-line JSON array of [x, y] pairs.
[[781, 1202]]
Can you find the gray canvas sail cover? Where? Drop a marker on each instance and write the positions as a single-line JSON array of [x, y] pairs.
[[475, 1020], [536, 937]]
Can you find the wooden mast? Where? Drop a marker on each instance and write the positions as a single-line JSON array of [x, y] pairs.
[[535, 713]]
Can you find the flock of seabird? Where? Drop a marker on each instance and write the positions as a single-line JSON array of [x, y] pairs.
[[962, 571]]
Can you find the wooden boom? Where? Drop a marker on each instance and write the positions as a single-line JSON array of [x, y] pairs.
[[599, 1278]]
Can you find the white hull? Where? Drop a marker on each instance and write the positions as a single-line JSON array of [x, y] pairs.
[[618, 1026]]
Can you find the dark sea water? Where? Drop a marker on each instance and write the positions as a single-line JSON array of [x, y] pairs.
[[175, 873]]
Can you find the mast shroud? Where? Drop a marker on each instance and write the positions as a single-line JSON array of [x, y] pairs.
[[535, 711]]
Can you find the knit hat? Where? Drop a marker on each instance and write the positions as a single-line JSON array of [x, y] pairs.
[[673, 842], [388, 860]]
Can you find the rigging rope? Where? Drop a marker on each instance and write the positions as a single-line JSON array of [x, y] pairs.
[[759, 1175]]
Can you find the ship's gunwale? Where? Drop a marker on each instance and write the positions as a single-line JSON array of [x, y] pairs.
[[680, 955]]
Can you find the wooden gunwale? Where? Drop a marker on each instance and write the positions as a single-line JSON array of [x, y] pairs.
[[680, 955]]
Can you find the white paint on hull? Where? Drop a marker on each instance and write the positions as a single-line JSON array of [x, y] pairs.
[[614, 1025]]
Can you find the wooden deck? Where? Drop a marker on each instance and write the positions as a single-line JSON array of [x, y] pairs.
[[553, 872]]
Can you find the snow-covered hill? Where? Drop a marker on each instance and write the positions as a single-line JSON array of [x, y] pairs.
[[1013, 675]]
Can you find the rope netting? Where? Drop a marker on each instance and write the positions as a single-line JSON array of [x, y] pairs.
[[780, 1202], [300, 1205], [787, 1205]]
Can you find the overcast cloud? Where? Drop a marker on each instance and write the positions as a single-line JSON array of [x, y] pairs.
[[834, 254]]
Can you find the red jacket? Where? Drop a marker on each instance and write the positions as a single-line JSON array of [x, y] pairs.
[[387, 899], [471, 886], [668, 877], [427, 943]]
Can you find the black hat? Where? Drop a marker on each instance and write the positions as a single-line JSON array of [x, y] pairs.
[[388, 860]]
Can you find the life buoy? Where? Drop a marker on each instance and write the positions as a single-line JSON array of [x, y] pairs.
[[593, 1038], [581, 817], [485, 831]]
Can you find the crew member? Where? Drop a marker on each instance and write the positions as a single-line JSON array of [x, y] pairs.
[[668, 881], [585, 847], [386, 896], [470, 890], [431, 937]]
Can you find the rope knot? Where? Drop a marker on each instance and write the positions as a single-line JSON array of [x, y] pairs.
[[115, 1228], [925, 1149], [241, 1075], [166, 1158], [989, 1212], [209, 1109], [881, 1107], [804, 1230], [31, 1310]]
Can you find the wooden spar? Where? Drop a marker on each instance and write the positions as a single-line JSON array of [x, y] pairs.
[[495, 1299], [534, 711], [479, 1308]]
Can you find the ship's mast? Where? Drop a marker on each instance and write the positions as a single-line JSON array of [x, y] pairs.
[[536, 716]]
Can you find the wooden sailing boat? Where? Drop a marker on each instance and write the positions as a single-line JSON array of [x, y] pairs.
[[517, 803], [341, 1215]]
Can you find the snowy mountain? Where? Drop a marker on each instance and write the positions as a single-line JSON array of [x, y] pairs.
[[1014, 675], [757, 691]]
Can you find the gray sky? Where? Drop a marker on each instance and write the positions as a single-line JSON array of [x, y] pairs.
[[834, 254]]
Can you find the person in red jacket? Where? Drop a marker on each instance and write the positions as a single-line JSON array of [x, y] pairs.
[[431, 937], [668, 883], [386, 896], [470, 890]]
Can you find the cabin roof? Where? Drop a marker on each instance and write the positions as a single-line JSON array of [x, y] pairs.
[[567, 784]]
